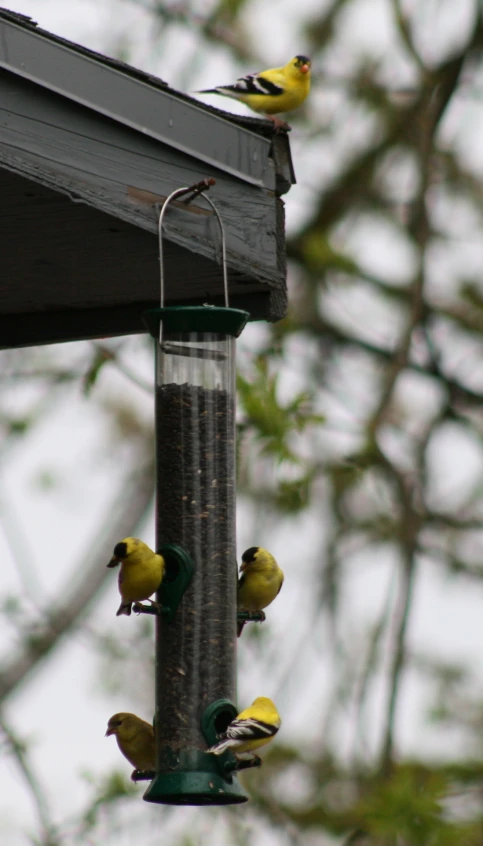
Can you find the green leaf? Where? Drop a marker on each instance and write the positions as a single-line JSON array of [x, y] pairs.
[[100, 358], [271, 422]]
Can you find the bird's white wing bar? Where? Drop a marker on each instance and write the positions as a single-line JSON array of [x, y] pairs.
[[254, 83], [249, 730]]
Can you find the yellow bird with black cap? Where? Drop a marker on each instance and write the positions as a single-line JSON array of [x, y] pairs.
[[141, 572], [271, 91]]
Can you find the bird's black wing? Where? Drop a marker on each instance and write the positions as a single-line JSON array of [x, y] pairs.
[[255, 83], [252, 83], [249, 729]]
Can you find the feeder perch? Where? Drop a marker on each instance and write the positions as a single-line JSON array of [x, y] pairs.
[[142, 775], [214, 723], [195, 510], [250, 616], [178, 574]]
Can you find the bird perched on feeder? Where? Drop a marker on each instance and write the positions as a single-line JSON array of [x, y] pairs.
[[271, 91], [141, 572], [135, 738], [251, 729], [260, 582]]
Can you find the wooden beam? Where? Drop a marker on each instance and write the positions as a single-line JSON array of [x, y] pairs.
[[123, 173], [134, 99], [89, 150], [69, 271]]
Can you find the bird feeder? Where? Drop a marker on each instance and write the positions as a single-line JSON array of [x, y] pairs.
[[195, 511]]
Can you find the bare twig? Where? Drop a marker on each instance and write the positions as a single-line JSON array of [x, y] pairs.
[[410, 520], [22, 554], [113, 357], [18, 749], [124, 514], [212, 27], [279, 819], [399, 626], [406, 35], [369, 668]]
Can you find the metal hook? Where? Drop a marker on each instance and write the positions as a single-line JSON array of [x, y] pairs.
[[198, 188]]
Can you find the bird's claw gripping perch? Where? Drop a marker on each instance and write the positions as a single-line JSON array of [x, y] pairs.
[[279, 125], [242, 764], [256, 761], [251, 616], [155, 608]]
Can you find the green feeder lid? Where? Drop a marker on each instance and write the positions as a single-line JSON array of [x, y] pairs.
[[224, 321]]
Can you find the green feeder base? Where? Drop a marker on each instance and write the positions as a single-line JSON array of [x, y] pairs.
[[193, 777], [194, 788]]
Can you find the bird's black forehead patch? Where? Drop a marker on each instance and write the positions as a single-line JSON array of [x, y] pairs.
[[303, 60], [250, 554], [120, 550]]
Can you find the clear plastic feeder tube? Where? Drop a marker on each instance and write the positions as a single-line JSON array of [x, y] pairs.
[[196, 651]]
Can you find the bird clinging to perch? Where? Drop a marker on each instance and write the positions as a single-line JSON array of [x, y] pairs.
[[141, 572], [251, 729], [135, 738], [260, 581]]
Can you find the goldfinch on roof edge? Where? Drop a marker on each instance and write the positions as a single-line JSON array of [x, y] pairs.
[[271, 91]]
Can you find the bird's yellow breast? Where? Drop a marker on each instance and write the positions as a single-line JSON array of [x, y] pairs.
[[286, 102], [258, 590], [251, 745], [138, 747], [140, 579], [296, 87]]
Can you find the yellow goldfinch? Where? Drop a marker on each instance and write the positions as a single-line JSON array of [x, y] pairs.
[[260, 582], [141, 573], [135, 738], [271, 91], [253, 728]]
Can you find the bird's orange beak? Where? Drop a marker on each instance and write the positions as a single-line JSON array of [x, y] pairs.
[[305, 69], [113, 562], [243, 567]]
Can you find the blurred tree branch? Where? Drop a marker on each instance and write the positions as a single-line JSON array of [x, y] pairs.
[[19, 750], [86, 579]]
